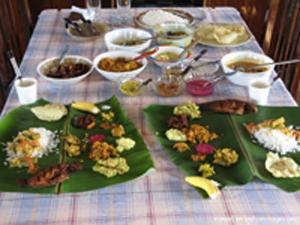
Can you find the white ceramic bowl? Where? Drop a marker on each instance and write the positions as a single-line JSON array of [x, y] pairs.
[[242, 78], [161, 31], [186, 58], [43, 66], [127, 33], [117, 76]]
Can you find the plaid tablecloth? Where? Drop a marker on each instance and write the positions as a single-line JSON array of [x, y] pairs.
[[162, 197]]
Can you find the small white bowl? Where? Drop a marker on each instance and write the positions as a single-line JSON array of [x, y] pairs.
[[117, 76], [185, 59], [161, 31], [42, 66], [127, 33], [242, 78]]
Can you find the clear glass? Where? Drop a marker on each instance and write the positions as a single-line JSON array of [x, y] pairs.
[[123, 4], [93, 7]]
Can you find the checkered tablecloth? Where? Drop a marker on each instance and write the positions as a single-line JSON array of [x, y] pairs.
[[162, 197]]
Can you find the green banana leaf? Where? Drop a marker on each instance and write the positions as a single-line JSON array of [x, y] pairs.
[[237, 174], [21, 118], [256, 154]]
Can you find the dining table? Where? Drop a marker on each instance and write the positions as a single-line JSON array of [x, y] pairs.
[[161, 197]]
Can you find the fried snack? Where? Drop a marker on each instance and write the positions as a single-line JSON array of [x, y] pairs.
[[230, 106], [84, 121], [199, 134], [178, 122], [118, 130], [106, 125], [181, 147], [102, 150], [72, 145], [52, 175], [225, 157], [108, 116], [198, 157], [206, 170]]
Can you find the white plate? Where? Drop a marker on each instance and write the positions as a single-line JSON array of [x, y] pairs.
[[241, 40]]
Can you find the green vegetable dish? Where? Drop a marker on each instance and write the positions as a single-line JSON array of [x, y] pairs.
[[88, 146]]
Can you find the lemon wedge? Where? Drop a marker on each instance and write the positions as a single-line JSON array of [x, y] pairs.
[[86, 106], [209, 186]]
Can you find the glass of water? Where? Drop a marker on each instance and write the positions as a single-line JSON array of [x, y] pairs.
[[124, 15], [93, 7], [123, 4]]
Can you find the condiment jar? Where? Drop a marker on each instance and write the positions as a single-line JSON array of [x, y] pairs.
[[168, 86], [131, 86]]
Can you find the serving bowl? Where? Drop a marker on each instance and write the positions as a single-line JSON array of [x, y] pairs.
[[245, 78], [172, 49], [162, 32], [117, 76], [45, 66], [111, 38]]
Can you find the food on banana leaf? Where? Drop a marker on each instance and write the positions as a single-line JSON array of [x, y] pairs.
[[73, 146], [206, 170], [29, 145], [175, 135], [111, 167], [108, 116], [178, 122], [102, 150], [209, 186], [52, 175], [204, 149], [50, 112], [188, 109], [96, 137], [198, 157], [86, 107], [230, 106], [117, 130], [87, 121], [197, 133], [105, 107], [124, 144], [282, 167], [181, 147], [225, 157], [106, 125], [273, 134]]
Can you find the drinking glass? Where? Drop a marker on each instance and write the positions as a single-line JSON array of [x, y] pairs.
[[123, 4], [92, 8]]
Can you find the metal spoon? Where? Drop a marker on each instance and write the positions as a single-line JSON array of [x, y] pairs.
[[62, 57], [195, 59], [15, 66], [242, 69]]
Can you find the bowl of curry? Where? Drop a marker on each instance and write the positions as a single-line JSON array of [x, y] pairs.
[[118, 65]]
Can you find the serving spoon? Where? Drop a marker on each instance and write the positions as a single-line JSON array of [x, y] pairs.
[[243, 69], [62, 57]]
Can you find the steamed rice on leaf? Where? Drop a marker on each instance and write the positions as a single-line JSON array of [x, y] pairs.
[[28, 146], [274, 135], [50, 112]]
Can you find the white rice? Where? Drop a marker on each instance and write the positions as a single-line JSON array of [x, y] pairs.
[[276, 140], [49, 141], [157, 16]]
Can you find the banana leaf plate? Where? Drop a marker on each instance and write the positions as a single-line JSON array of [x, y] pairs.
[[237, 174], [256, 154], [232, 134], [21, 118]]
